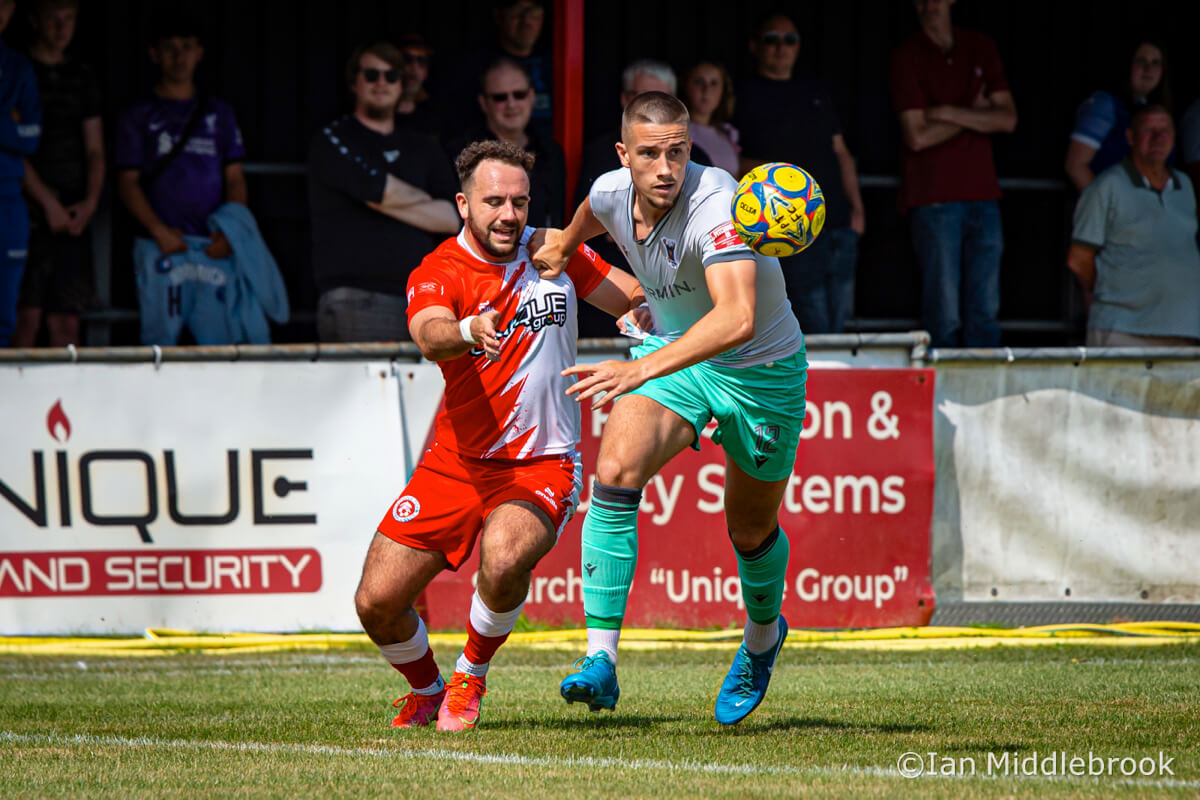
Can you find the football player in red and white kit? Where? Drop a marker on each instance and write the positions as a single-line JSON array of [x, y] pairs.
[[503, 467]]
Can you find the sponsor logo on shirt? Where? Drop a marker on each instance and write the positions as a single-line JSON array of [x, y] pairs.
[[670, 290], [537, 313], [724, 236]]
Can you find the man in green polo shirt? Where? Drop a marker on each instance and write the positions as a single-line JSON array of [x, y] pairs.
[[1134, 245]]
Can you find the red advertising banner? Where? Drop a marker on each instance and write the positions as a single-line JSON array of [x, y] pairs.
[[857, 512], [130, 572]]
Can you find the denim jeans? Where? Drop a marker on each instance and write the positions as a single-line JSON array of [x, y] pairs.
[[958, 249], [820, 281], [357, 315]]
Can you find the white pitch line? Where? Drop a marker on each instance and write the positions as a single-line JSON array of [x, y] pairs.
[[508, 759], [432, 754]]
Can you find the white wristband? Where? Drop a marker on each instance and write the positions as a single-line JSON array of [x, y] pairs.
[[464, 329]]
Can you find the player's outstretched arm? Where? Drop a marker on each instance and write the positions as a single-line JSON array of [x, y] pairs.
[[618, 294], [730, 323], [441, 337], [551, 248]]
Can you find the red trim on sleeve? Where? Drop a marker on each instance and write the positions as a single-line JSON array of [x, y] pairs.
[[587, 269]]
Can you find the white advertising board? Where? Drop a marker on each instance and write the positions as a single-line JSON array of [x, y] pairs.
[[1060, 483], [206, 496]]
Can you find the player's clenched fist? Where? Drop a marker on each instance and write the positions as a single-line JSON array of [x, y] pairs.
[[546, 250], [483, 330]]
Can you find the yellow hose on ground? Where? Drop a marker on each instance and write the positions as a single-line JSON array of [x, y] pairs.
[[158, 641]]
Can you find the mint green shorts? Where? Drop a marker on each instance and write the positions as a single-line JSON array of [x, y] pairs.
[[759, 410]]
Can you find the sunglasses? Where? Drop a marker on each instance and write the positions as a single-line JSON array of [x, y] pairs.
[[519, 94], [419, 59], [788, 39], [371, 75]]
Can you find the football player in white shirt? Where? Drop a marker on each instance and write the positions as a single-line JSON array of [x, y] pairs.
[[725, 345]]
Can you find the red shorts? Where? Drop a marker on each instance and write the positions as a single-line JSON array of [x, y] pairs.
[[449, 497]]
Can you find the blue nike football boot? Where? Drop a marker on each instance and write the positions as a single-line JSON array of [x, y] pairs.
[[746, 684]]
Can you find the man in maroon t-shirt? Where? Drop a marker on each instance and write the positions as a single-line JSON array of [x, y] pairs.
[[949, 90]]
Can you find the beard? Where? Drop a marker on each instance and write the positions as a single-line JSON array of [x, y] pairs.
[[482, 236], [378, 112]]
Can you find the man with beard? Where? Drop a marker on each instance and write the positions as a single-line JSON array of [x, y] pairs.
[[503, 467], [378, 195]]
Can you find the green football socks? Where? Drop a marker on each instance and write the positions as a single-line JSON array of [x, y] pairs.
[[764, 572], [609, 554]]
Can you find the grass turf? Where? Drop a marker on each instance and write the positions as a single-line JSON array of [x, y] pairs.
[[834, 724]]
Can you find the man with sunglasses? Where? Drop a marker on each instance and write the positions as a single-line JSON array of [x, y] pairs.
[[507, 99], [785, 118], [380, 196]]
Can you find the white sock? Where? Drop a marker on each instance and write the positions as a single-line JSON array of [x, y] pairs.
[[604, 640], [431, 689], [760, 638], [492, 623], [462, 665]]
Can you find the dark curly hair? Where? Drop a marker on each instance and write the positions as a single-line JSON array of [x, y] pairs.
[[490, 150]]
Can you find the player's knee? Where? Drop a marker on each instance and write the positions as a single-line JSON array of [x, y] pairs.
[[374, 611], [504, 570], [750, 537], [613, 471]]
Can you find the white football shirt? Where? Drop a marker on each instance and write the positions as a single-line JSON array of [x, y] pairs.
[[696, 233]]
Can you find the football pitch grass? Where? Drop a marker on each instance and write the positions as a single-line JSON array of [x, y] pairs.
[[834, 724]]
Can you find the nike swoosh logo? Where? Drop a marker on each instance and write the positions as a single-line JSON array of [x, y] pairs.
[[741, 702]]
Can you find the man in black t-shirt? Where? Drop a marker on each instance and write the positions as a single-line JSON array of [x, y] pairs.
[[783, 118], [63, 181], [380, 197]]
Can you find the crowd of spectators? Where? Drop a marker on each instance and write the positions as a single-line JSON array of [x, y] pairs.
[[381, 189]]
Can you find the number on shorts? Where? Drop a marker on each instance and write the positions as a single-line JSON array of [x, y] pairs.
[[766, 435]]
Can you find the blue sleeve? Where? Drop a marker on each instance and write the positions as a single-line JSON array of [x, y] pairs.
[[22, 137], [1094, 119]]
